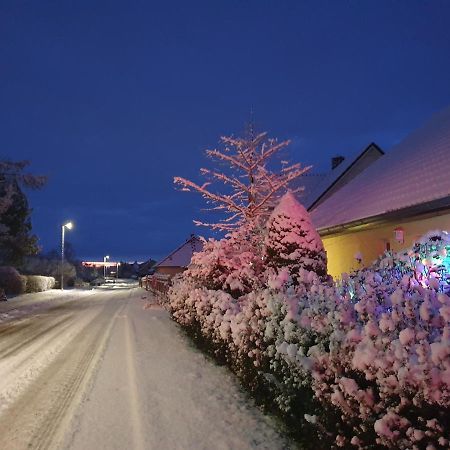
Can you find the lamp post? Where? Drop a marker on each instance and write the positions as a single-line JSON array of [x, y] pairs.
[[69, 226], [104, 265]]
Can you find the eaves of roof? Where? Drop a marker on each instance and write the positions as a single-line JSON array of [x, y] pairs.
[[432, 208]]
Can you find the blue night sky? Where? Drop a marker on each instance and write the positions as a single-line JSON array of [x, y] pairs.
[[112, 99]]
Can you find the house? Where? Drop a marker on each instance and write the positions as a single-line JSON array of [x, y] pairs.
[[179, 259], [146, 267], [394, 201]]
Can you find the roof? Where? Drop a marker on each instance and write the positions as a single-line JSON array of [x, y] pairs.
[[344, 168], [316, 186], [181, 257], [414, 172]]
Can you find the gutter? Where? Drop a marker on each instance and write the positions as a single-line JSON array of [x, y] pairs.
[[433, 208]]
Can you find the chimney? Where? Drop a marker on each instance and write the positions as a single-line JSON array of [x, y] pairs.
[[336, 160]]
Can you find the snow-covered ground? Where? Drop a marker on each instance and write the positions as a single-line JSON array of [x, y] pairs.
[[27, 305], [108, 369]]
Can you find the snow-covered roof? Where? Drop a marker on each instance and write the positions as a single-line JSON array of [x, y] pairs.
[[344, 168], [414, 172], [181, 257], [317, 185]]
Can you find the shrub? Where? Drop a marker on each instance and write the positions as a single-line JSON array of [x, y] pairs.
[[11, 281], [292, 241], [38, 283], [233, 265]]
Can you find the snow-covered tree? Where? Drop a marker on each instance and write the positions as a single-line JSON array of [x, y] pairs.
[[251, 188], [292, 241], [16, 240], [232, 264]]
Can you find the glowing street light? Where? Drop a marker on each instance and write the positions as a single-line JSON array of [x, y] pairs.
[[104, 266], [69, 226]]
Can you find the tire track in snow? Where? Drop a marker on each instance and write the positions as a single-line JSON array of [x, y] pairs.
[[36, 420], [41, 331], [22, 369], [136, 422]]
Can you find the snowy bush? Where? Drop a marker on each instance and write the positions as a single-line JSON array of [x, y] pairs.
[[11, 281], [38, 283], [292, 241], [233, 264]]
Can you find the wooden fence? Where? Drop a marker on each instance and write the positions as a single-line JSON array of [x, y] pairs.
[[158, 284]]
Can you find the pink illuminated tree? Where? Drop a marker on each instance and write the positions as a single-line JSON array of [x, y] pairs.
[[250, 189]]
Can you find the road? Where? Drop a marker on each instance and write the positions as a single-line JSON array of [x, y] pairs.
[[108, 369]]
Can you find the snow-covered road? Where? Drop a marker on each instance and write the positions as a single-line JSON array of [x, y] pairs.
[[110, 370]]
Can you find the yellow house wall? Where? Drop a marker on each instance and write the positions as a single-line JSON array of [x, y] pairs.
[[371, 242]]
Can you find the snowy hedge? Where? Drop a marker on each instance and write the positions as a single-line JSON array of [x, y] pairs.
[[15, 284], [38, 283], [363, 363]]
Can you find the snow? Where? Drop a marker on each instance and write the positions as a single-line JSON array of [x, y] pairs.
[[21, 306], [414, 172], [406, 336], [167, 394], [32, 312], [293, 210]]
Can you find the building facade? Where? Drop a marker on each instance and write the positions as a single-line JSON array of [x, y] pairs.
[[393, 202]]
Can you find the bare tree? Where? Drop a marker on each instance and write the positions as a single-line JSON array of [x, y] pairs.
[[251, 188]]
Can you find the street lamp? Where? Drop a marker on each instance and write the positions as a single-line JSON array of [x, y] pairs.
[[69, 226], [104, 265]]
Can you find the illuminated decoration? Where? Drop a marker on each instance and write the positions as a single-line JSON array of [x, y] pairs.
[[430, 258], [426, 264], [399, 234], [98, 264], [105, 264]]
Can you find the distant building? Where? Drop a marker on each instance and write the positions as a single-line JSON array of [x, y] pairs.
[[146, 267], [391, 203], [179, 259]]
